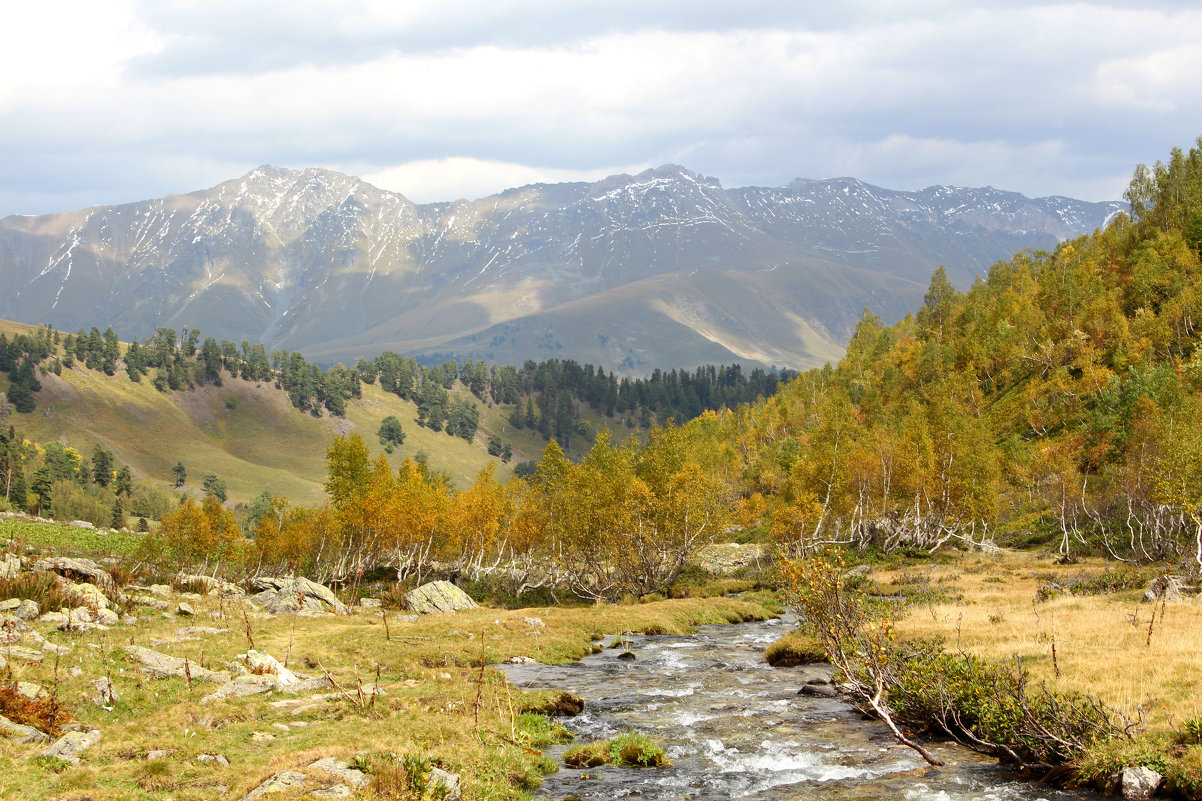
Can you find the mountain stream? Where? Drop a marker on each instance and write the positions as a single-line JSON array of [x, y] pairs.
[[736, 728]]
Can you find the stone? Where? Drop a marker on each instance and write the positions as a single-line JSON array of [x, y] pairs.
[[240, 686], [153, 603], [437, 596], [338, 768], [214, 759], [53, 617], [1139, 783], [370, 603], [819, 691], [30, 690], [159, 753], [627, 656], [81, 524], [445, 785], [21, 733], [106, 696], [299, 596], [406, 618], [9, 605], [23, 654], [192, 631], [159, 664], [277, 783], [184, 608], [69, 747], [28, 610], [87, 594], [521, 660], [1166, 588], [76, 569], [81, 627], [534, 622], [107, 617], [10, 566]]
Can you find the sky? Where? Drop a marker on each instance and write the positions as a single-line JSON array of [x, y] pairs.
[[115, 101]]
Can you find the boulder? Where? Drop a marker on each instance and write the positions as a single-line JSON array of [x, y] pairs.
[[28, 610], [153, 603], [438, 596], [76, 569], [298, 596], [341, 770], [247, 684], [10, 566], [158, 664], [1167, 588], [213, 759], [87, 594], [20, 732], [185, 609], [10, 605], [277, 783], [105, 694], [1139, 783], [71, 745], [534, 622], [445, 785]]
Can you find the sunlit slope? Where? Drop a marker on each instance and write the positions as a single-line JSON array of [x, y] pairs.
[[246, 433]]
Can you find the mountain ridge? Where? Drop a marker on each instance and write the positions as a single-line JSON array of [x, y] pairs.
[[326, 263]]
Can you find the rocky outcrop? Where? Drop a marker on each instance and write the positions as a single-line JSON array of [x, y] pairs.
[[159, 664], [438, 596], [75, 569], [20, 732], [1139, 783], [296, 596], [69, 747]]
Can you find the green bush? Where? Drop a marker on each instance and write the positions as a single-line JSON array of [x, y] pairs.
[[630, 749]]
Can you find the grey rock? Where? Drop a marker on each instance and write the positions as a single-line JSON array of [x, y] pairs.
[[28, 610], [534, 622], [53, 617], [247, 684], [159, 753], [21, 733], [23, 654], [10, 566], [437, 596], [184, 608], [107, 617], [81, 524], [277, 783], [69, 747], [87, 594], [1139, 783], [301, 597], [819, 691], [159, 664], [521, 660], [153, 603], [336, 767], [9, 605], [216, 759], [81, 627], [76, 569], [106, 695], [192, 631], [370, 603], [449, 782], [1167, 588]]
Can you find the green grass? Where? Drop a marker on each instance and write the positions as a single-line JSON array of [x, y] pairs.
[[63, 538], [629, 749]]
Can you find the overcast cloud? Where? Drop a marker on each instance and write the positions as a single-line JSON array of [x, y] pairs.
[[109, 102]]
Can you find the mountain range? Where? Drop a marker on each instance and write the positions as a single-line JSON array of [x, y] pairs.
[[662, 269]]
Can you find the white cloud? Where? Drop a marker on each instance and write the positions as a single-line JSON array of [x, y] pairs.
[[1036, 97], [432, 180]]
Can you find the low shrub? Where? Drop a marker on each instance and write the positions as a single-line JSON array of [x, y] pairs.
[[43, 588]]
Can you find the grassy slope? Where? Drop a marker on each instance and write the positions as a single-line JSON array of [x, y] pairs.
[[246, 433]]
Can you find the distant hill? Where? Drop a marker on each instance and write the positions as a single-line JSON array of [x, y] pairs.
[[663, 269]]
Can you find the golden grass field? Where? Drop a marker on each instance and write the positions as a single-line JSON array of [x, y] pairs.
[[1102, 643]]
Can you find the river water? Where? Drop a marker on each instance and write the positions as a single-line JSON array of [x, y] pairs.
[[736, 728]]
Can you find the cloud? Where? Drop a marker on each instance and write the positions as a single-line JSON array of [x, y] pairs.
[[431, 180], [117, 100]]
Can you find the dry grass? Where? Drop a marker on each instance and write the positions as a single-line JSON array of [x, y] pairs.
[[429, 671], [1096, 644]]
